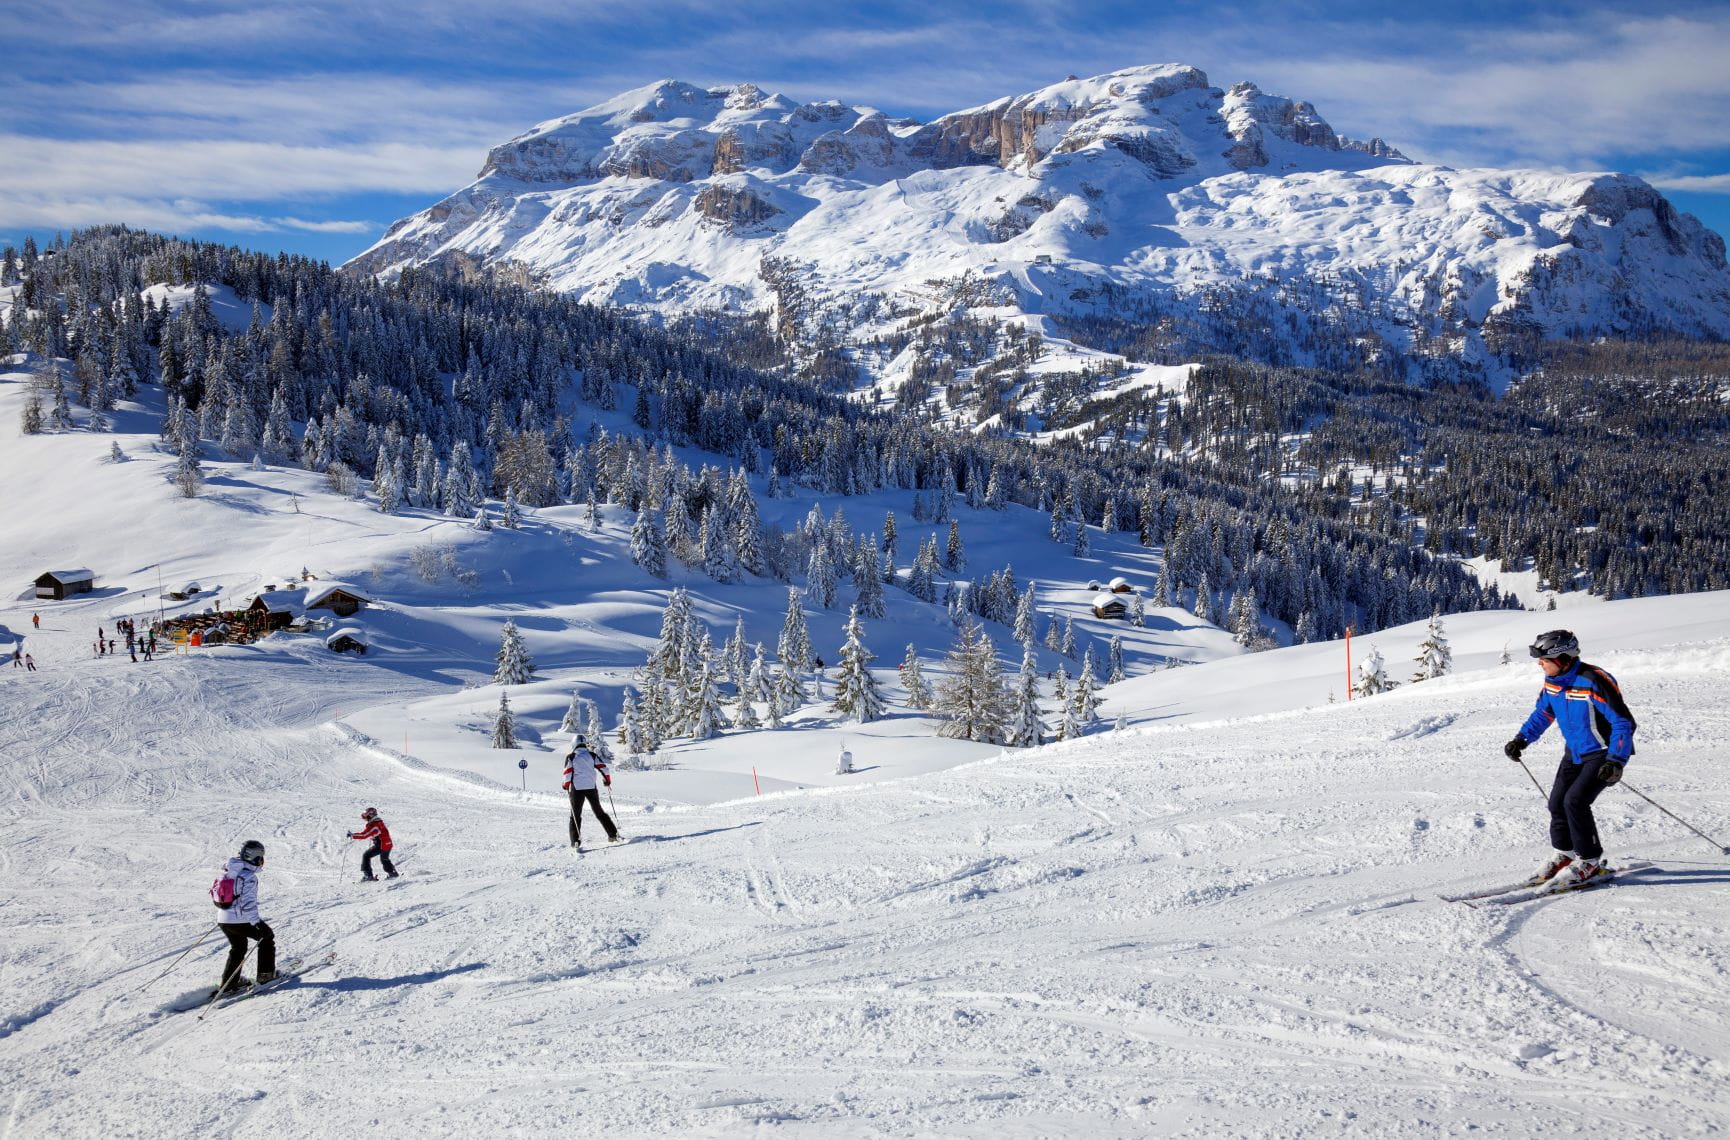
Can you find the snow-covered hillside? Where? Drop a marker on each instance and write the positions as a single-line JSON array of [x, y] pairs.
[[1220, 919], [1140, 193]]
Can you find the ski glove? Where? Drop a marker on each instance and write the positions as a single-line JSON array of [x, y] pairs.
[[566, 785], [1610, 772], [606, 779], [1513, 748]]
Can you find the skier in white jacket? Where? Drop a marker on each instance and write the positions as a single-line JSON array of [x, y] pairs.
[[241, 921], [581, 767]]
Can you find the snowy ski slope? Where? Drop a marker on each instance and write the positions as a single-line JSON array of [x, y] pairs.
[[1220, 920]]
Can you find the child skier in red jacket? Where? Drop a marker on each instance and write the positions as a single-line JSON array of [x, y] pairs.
[[380, 836]]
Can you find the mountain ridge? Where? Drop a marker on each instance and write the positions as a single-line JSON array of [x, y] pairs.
[[1145, 190]]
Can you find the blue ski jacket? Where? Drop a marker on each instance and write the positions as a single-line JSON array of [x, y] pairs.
[[1586, 703]]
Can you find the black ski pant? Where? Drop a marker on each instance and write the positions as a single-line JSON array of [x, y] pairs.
[[1572, 827], [238, 935], [592, 797], [383, 857]]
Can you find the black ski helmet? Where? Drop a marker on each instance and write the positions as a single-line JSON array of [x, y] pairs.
[[580, 742], [252, 851], [1556, 643], [369, 814]]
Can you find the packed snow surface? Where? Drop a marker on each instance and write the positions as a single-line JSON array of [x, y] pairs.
[[1220, 919]]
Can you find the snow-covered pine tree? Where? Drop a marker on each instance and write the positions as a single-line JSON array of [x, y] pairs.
[[856, 693], [1068, 645], [631, 728], [512, 516], [757, 681], [913, 680], [1137, 611], [1086, 701], [1024, 618], [483, 521], [504, 725], [867, 580], [788, 696], [1372, 675], [573, 721], [1060, 683], [1434, 658], [954, 558], [595, 732], [1204, 599], [745, 710], [794, 648], [973, 696], [1025, 728], [719, 560], [514, 665], [1081, 548], [648, 544], [820, 576], [1114, 660]]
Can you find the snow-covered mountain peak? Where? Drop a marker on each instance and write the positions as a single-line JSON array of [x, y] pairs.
[[1137, 196]]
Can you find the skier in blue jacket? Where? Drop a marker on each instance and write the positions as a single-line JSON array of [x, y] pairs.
[[1597, 737]]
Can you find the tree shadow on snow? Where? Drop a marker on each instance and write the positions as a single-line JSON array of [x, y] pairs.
[[353, 985]]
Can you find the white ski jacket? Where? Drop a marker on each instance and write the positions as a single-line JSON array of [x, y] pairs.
[[244, 912], [581, 768]]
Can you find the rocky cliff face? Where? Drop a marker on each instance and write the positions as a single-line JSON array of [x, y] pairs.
[[1145, 189]]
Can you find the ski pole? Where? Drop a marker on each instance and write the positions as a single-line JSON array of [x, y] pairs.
[[175, 963], [223, 988], [1722, 850], [1532, 778]]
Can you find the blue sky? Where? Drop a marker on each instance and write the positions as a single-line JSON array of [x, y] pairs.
[[310, 127]]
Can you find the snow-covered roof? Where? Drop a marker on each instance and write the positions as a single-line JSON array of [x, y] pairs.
[[315, 597], [1117, 582], [70, 575], [280, 601], [1104, 601], [351, 632]]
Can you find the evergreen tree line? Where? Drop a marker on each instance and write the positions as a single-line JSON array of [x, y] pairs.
[[443, 389]]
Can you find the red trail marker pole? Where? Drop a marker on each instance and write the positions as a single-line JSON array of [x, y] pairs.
[[1348, 662]]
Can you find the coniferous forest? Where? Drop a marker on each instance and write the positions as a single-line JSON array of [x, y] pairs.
[[1323, 499]]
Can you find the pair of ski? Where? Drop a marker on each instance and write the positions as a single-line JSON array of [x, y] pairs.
[[1529, 890], [209, 1000], [581, 849]]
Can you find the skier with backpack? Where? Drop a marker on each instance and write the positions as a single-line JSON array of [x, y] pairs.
[[376, 831], [1597, 737], [235, 894], [581, 767]]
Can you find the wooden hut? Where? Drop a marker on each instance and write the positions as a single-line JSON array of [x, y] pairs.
[[275, 609], [59, 584], [341, 600], [1110, 606], [348, 639]]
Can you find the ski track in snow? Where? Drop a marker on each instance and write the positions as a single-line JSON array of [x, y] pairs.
[[1175, 932]]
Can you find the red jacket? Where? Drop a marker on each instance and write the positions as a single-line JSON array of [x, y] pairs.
[[374, 830]]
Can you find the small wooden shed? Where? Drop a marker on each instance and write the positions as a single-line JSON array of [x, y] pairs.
[[64, 583], [275, 609], [348, 639], [1110, 606], [1120, 586], [341, 600]]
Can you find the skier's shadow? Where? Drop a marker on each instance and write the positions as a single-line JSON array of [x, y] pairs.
[[352, 985], [1669, 878], [693, 834]]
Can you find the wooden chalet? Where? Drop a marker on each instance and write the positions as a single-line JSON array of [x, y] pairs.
[[341, 600], [275, 609], [1110, 606], [348, 639], [59, 584]]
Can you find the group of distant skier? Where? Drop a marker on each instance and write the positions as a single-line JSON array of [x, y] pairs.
[[1582, 700], [235, 891]]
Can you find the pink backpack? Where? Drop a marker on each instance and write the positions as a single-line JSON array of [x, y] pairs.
[[223, 892]]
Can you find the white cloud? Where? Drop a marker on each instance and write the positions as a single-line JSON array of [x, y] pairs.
[[225, 169], [1694, 183], [164, 215]]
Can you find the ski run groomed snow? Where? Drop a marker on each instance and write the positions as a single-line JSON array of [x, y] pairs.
[[1222, 918]]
